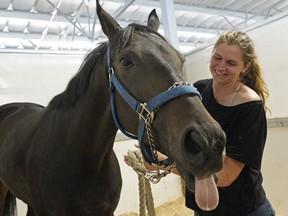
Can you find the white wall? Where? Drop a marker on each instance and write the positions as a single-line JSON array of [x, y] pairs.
[[275, 169], [38, 78], [33, 77], [271, 46]]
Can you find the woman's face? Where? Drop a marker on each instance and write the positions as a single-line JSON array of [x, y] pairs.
[[227, 63]]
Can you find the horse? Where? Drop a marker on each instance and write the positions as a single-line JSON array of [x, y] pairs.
[[59, 159]]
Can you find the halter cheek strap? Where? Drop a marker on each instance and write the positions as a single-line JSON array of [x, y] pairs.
[[146, 111]]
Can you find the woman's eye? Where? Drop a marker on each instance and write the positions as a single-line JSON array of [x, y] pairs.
[[231, 63], [126, 62]]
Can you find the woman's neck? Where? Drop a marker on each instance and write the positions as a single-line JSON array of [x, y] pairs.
[[225, 94]]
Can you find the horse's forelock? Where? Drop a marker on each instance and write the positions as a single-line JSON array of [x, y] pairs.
[[127, 34]]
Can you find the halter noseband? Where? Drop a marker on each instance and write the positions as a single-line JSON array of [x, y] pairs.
[[146, 111]]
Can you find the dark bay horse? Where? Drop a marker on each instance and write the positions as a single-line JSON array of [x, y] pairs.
[[59, 159]]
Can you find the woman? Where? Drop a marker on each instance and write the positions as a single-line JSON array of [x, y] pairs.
[[236, 97]]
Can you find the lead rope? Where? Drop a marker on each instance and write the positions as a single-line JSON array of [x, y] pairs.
[[135, 160]]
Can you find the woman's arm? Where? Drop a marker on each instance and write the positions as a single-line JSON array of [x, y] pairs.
[[229, 173], [231, 170]]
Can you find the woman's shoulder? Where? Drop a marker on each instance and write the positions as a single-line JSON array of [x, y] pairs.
[[201, 84], [246, 94]]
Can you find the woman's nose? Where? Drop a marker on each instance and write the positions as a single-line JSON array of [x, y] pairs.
[[221, 65]]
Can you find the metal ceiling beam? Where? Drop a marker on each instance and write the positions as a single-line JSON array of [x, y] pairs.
[[55, 38], [27, 15], [35, 36], [199, 9], [122, 8], [60, 18], [75, 18], [54, 13], [69, 19], [185, 8], [169, 22], [44, 51]]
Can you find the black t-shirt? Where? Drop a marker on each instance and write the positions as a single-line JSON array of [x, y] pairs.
[[246, 131]]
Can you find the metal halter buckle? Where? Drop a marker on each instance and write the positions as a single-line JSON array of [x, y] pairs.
[[156, 176], [145, 114], [153, 177]]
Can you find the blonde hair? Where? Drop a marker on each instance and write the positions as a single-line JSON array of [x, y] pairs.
[[253, 75]]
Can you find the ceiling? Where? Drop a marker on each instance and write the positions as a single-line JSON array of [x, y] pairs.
[[70, 26]]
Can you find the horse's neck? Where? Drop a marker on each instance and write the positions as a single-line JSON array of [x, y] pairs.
[[95, 109], [90, 119]]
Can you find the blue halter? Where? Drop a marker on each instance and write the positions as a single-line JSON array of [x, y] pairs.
[[143, 109]]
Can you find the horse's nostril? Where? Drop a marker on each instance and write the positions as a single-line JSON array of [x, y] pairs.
[[191, 145]]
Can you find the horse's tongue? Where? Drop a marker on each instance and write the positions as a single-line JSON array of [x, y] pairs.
[[206, 193]]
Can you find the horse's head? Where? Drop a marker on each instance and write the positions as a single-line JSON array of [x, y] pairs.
[[146, 66]]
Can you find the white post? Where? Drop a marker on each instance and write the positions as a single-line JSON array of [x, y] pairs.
[[169, 22]]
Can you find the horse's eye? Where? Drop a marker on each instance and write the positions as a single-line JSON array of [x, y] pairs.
[[126, 62]]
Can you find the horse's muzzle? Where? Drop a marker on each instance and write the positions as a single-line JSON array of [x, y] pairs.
[[202, 152]]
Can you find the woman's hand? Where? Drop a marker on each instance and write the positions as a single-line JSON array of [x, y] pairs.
[[149, 167]]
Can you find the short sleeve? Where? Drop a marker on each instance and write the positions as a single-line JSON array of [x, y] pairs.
[[201, 84], [246, 139]]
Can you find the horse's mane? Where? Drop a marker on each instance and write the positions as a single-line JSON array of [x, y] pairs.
[[80, 82]]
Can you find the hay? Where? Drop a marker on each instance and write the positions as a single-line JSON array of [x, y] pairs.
[[172, 208]]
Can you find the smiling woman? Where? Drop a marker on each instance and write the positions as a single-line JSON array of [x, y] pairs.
[[236, 98]]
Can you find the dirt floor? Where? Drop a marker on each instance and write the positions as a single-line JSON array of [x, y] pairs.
[[172, 208]]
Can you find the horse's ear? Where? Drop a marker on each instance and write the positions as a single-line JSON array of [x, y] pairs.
[[108, 23], [153, 20]]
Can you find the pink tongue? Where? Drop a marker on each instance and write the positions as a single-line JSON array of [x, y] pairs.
[[206, 193]]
